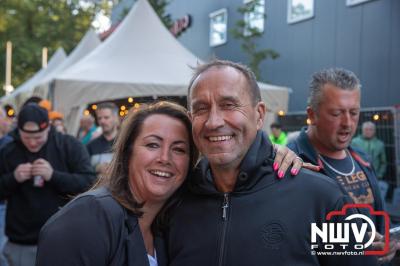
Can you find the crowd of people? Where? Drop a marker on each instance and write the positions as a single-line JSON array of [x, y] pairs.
[[203, 186]]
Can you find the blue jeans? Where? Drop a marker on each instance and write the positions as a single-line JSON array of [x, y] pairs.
[[3, 238]]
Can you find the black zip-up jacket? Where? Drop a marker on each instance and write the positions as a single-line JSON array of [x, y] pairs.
[[264, 221], [303, 148], [28, 207], [95, 230]]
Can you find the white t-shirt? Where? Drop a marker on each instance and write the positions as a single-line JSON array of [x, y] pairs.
[[153, 260]]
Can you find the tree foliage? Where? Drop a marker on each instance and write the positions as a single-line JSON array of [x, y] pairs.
[[33, 24], [160, 8], [248, 36]]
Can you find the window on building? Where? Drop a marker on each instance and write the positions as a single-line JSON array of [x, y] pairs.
[[299, 10], [218, 27], [355, 2], [255, 19]]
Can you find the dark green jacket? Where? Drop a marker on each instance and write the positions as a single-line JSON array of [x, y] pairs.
[[375, 148]]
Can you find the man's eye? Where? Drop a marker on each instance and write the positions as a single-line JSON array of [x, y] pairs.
[[354, 113], [199, 109], [228, 105]]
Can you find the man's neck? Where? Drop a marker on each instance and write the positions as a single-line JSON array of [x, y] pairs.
[[225, 178], [110, 135], [322, 149]]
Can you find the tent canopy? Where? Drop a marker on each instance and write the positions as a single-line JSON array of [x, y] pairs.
[[141, 58], [87, 44]]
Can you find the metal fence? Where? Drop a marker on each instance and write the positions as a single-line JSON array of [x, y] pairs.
[[387, 121]]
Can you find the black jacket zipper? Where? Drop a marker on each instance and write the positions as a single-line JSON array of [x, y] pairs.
[[225, 207]]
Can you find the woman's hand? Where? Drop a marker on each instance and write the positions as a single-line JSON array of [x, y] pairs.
[[285, 158]]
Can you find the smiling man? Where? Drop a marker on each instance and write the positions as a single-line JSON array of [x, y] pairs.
[[235, 211]]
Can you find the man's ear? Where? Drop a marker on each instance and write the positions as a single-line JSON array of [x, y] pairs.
[[311, 115], [261, 110]]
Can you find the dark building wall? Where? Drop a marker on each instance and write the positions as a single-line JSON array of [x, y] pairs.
[[364, 38]]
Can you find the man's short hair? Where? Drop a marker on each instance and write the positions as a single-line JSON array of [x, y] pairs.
[[108, 105], [276, 125], [368, 124], [339, 77], [247, 73]]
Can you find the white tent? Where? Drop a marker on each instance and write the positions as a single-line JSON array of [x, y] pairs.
[[87, 44], [24, 91], [141, 58], [276, 99]]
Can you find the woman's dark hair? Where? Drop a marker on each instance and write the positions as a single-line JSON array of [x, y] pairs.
[[117, 178]]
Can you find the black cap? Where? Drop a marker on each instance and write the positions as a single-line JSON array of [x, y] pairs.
[[35, 114], [276, 125]]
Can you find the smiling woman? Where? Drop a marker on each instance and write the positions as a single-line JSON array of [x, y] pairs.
[[115, 222], [112, 224]]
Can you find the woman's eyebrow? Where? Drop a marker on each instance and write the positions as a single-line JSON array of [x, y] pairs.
[[160, 138]]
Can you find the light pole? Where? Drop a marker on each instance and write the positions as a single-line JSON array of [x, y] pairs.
[[44, 57], [8, 88]]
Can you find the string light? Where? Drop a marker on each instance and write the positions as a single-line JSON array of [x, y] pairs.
[[375, 117], [94, 107], [308, 121], [86, 112], [281, 113], [123, 108], [137, 105], [10, 112], [130, 100]]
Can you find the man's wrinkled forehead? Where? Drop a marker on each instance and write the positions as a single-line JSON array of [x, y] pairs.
[[217, 72]]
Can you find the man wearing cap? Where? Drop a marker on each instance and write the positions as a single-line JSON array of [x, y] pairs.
[[39, 172]]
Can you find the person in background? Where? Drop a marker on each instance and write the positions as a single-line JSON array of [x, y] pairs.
[[40, 169], [87, 130], [57, 121], [100, 148], [46, 104], [277, 136], [5, 125], [334, 110], [56, 118], [373, 146]]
